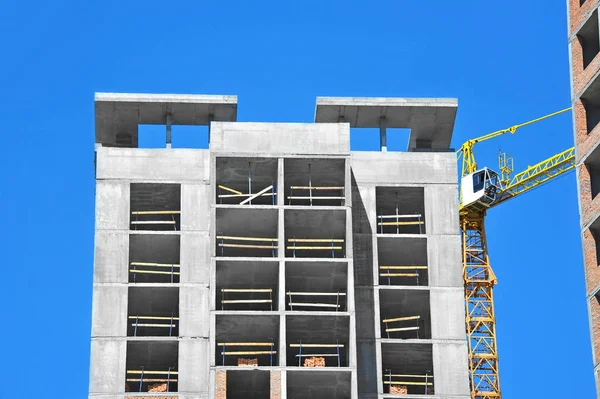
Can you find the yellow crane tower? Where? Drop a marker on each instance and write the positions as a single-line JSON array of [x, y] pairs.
[[480, 190]]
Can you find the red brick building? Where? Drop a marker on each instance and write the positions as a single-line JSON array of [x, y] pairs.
[[584, 45]]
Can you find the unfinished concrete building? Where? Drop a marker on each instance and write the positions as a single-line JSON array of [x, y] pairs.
[[277, 263], [584, 46]]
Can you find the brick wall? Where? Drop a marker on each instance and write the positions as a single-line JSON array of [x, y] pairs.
[[221, 385], [589, 207], [275, 384], [594, 308], [578, 14], [590, 261]]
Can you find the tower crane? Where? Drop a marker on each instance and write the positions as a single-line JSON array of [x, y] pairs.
[[480, 190]]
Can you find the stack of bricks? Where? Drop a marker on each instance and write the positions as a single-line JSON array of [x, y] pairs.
[[314, 362], [247, 362], [275, 384], [159, 387], [399, 389], [221, 382]]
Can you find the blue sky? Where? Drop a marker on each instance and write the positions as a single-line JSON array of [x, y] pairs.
[[506, 62]]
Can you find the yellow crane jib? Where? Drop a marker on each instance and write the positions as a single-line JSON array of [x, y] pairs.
[[483, 188], [469, 165]]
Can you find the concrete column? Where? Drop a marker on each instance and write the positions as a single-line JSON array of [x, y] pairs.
[[383, 134], [168, 130]]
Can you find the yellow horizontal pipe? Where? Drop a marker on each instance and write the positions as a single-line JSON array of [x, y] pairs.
[[246, 344], [231, 190], [156, 212], [401, 319], [313, 248], [315, 240], [151, 380], [398, 274], [154, 372], [398, 223], [153, 264], [249, 353], [407, 383], [153, 317], [152, 272], [401, 329], [246, 301], [248, 246], [404, 267], [244, 195], [246, 290], [153, 325], [317, 345], [236, 238], [316, 188]]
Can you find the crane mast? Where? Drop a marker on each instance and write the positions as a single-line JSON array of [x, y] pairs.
[[481, 190]]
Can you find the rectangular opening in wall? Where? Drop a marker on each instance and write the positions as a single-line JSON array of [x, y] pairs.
[[315, 233], [400, 210], [317, 341], [314, 182], [247, 340], [591, 102], [407, 368], [316, 286], [155, 207], [364, 139], [318, 384], [247, 285], [152, 136], [402, 261], [247, 181], [246, 232], [154, 258], [153, 312], [248, 384], [189, 136], [592, 164], [589, 39], [151, 366], [404, 314]]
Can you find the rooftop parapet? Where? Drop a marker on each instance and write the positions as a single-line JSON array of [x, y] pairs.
[[430, 120], [118, 114]]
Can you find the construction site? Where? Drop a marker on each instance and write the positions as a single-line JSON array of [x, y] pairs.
[[277, 263]]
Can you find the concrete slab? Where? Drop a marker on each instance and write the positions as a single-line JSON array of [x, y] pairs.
[[431, 120], [118, 113], [109, 321]]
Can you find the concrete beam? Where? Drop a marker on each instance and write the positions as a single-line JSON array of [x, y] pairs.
[[431, 120]]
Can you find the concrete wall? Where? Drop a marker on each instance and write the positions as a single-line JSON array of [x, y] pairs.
[[194, 170], [437, 174]]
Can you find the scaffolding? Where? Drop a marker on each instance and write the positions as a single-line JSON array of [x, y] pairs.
[[153, 322], [143, 373], [335, 305], [396, 221], [416, 380], [309, 245], [154, 268], [322, 347], [154, 219], [270, 352], [316, 194], [401, 271], [272, 241], [246, 197], [268, 301], [404, 327]]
